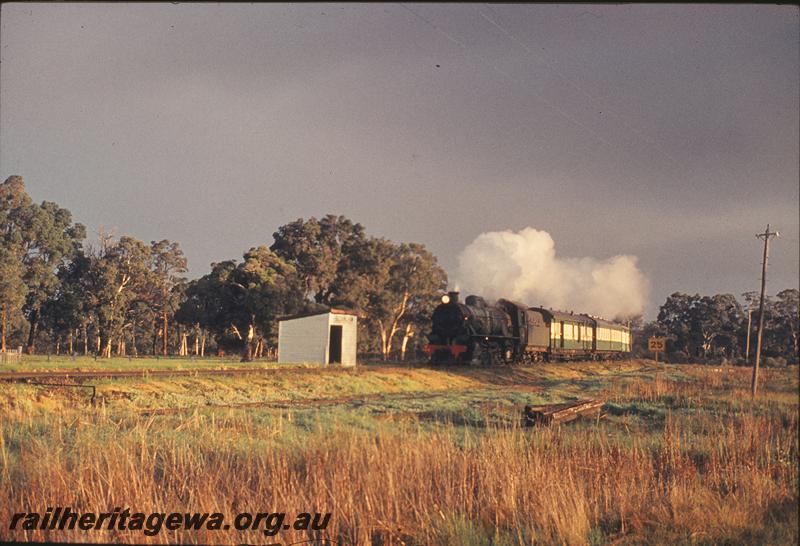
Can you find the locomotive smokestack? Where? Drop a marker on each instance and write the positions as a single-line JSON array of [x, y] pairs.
[[453, 297]]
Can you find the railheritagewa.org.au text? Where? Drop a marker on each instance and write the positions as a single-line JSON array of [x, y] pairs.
[[151, 524]]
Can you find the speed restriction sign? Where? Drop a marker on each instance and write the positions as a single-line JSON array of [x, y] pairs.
[[657, 344]]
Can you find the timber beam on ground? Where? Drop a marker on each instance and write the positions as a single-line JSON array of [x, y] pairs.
[[562, 413]]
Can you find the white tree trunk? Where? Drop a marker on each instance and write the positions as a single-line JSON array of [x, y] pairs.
[[408, 334]]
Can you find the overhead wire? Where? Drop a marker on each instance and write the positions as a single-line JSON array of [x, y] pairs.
[[543, 99], [574, 85]]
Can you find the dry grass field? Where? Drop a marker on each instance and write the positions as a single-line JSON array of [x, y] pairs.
[[417, 455]]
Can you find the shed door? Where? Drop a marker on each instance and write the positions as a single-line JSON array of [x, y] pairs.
[[335, 345]]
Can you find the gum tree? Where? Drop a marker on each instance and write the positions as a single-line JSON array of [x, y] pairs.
[[406, 285], [39, 239], [324, 254], [162, 290], [239, 302], [114, 277]]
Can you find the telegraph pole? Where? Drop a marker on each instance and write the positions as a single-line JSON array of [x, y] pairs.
[[749, 329], [767, 235]]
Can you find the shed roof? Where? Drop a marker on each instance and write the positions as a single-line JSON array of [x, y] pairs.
[[315, 313]]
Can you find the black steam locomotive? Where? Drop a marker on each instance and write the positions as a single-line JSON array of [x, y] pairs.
[[510, 333]]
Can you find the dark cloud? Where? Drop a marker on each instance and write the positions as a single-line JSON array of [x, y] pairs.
[[668, 132]]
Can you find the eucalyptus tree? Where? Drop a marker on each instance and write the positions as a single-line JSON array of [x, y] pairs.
[[41, 239], [204, 303], [403, 286], [786, 322], [115, 276], [417, 282], [162, 290], [240, 302], [12, 290], [700, 322], [321, 251]]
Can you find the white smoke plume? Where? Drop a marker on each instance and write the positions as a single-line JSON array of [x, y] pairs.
[[523, 267]]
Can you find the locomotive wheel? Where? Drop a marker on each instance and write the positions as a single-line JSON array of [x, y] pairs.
[[491, 355], [486, 356], [442, 356]]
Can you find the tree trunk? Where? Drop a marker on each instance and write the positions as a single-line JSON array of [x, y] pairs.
[[34, 320], [104, 344], [85, 340], [203, 344], [248, 344], [707, 339], [382, 330], [70, 341], [106, 349], [388, 337], [58, 347], [164, 331], [3, 322], [196, 344], [409, 332]]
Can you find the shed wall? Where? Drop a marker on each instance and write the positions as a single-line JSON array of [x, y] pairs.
[[307, 339], [303, 340]]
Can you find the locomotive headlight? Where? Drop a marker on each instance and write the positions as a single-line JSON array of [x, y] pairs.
[[445, 299]]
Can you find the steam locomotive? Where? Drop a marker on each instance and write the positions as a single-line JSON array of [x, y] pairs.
[[511, 333]]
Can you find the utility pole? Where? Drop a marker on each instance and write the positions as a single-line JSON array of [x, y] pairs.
[[749, 329], [767, 235]]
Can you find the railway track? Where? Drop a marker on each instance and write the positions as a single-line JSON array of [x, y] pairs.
[[78, 375], [112, 374]]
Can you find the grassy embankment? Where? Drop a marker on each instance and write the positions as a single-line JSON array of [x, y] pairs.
[[418, 456]]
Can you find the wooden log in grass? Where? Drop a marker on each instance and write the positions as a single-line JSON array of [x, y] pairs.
[[561, 413]]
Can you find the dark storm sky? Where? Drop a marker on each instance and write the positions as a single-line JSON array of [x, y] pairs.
[[665, 132]]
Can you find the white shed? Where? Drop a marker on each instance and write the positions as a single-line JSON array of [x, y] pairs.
[[324, 337]]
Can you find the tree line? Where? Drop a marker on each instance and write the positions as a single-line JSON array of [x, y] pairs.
[[714, 327], [122, 296]]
